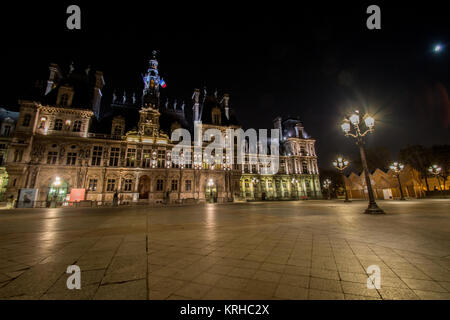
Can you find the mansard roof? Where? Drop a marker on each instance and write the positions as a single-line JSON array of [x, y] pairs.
[[81, 82], [5, 114], [209, 104]]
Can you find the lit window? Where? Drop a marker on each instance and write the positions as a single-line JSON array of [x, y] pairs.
[[92, 184]]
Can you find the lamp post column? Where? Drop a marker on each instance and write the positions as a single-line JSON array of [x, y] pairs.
[[345, 187], [373, 207]]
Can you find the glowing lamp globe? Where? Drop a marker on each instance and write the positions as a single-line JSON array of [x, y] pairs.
[[345, 126], [369, 121], [354, 119]]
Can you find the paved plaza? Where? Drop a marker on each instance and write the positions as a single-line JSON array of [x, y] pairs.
[[271, 250]]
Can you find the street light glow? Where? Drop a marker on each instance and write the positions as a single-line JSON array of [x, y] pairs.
[[437, 48]]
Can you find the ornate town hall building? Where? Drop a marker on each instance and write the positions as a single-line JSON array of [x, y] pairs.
[[67, 147]]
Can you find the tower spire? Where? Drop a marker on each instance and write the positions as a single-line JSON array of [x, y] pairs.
[[151, 83]]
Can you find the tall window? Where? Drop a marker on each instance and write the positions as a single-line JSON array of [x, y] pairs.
[[7, 130], [58, 125], [147, 161], [159, 185], [187, 186], [26, 120], [71, 158], [127, 184], [18, 155], [111, 185], [97, 155], [131, 157], [114, 157], [161, 158], [174, 185], [305, 167], [76, 126], [51, 157], [92, 184]]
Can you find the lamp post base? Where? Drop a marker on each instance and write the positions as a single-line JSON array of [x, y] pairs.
[[374, 209]]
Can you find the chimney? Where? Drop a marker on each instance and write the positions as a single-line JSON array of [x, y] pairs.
[[96, 101], [196, 98], [55, 75], [226, 99], [299, 130], [277, 125]]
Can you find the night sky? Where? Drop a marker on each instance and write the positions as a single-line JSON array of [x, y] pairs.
[[316, 62]]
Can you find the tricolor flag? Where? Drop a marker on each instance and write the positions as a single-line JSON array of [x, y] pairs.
[[162, 83]]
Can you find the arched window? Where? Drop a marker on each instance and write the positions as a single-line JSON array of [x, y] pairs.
[[77, 126], [26, 120], [58, 125]]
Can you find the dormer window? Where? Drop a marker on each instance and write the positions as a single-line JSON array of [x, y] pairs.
[[117, 130], [58, 125], [26, 120], [65, 95], [216, 116], [63, 101]]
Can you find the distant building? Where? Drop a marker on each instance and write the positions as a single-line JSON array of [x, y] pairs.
[[385, 184], [69, 148]]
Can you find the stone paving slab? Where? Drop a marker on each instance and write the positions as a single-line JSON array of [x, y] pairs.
[[273, 250]]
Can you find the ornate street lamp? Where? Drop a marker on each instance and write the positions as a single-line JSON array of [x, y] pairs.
[[326, 185], [351, 127], [436, 171], [340, 164], [397, 167]]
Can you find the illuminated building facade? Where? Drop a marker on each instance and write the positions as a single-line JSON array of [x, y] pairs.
[[71, 149]]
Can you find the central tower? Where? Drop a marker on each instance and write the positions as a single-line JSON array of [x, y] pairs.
[[151, 84]]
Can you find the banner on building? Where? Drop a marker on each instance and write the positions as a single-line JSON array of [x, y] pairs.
[[77, 195], [27, 197]]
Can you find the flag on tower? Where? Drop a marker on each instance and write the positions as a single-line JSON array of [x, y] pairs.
[[162, 83]]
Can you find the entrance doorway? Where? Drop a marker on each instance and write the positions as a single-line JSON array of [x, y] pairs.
[[57, 190], [144, 187], [211, 191]]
